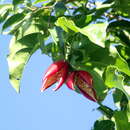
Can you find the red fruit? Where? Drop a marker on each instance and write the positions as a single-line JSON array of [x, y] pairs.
[[57, 72], [84, 82], [70, 80]]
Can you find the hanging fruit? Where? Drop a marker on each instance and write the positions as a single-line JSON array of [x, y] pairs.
[[83, 82], [57, 72]]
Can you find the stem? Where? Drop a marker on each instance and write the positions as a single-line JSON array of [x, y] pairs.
[[106, 110]]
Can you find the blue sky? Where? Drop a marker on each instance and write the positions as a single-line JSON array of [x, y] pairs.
[[33, 110]]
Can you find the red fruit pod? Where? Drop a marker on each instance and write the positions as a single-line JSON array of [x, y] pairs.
[[84, 82], [61, 78], [89, 93], [86, 77], [70, 80], [57, 72], [54, 68]]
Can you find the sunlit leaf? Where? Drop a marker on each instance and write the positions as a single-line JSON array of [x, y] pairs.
[[20, 52], [119, 61], [4, 7], [21, 49], [4, 15], [95, 32], [67, 24], [99, 5], [124, 52], [54, 35], [115, 80]]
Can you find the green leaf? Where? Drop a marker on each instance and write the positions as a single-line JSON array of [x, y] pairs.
[[124, 6], [30, 39], [21, 49], [105, 56], [67, 24], [128, 117], [12, 20], [115, 80], [38, 1], [104, 125], [121, 101], [99, 5], [82, 20], [95, 32], [54, 35], [99, 86], [59, 41], [121, 120], [5, 7], [119, 24], [57, 36], [119, 61], [117, 95], [108, 112], [4, 15], [46, 49], [128, 111], [124, 52], [24, 24], [16, 2], [60, 8]]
